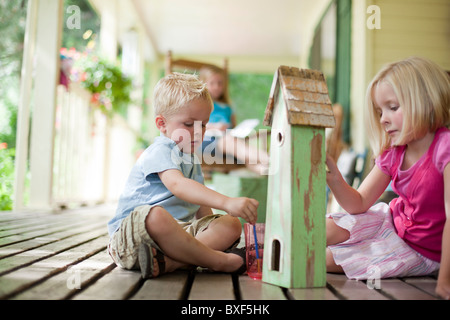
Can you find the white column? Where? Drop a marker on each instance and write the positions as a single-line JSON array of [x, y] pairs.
[[361, 69], [23, 114], [109, 30], [108, 47], [48, 43]]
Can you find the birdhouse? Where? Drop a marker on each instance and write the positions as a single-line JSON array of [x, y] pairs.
[[299, 110]]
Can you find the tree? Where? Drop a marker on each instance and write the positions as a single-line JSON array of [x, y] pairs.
[[12, 29]]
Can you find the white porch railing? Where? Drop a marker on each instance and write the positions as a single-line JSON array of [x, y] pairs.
[[92, 154], [80, 146]]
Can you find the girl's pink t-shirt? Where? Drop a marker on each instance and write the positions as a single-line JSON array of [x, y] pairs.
[[419, 211]]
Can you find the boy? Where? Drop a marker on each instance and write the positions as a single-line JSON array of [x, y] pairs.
[[165, 207]]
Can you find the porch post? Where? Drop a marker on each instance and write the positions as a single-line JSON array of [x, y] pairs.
[[23, 114], [48, 43], [108, 47]]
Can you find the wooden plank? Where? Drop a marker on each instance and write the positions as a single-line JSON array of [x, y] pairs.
[[14, 237], [11, 263], [116, 285], [51, 270], [22, 249], [29, 225], [7, 217], [400, 290], [212, 286], [312, 294], [170, 286], [427, 284], [258, 290], [66, 284], [45, 222], [352, 289], [15, 282]]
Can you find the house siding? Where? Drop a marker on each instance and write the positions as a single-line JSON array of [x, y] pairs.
[[412, 27]]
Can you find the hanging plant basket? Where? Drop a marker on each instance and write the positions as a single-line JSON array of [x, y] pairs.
[[109, 86]]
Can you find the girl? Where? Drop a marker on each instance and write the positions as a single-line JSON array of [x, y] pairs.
[[217, 140], [408, 113]]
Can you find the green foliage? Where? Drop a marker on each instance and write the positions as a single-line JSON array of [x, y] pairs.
[[8, 111], [6, 178], [249, 94], [12, 29], [109, 86], [111, 89]]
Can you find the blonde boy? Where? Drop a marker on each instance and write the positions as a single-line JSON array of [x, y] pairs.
[[164, 219]]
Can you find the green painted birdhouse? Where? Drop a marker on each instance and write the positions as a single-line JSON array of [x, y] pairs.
[[299, 110]]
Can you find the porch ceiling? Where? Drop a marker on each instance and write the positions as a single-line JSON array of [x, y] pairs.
[[261, 28]]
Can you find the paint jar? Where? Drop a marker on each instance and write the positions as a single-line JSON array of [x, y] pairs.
[[254, 259]]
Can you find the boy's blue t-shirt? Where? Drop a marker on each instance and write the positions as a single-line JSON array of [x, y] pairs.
[[145, 187]]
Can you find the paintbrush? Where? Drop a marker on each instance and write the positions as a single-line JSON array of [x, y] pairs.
[[258, 261]]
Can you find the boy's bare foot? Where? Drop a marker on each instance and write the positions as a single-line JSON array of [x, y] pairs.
[[237, 260]]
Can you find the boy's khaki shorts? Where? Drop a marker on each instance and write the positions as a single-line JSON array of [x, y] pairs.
[[124, 244]]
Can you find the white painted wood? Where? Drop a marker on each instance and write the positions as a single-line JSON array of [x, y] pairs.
[[109, 29], [23, 114], [48, 40]]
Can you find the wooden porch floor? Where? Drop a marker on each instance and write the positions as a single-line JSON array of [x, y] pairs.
[[50, 256]]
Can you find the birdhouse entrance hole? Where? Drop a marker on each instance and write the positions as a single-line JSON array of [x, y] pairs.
[[280, 138], [276, 255]]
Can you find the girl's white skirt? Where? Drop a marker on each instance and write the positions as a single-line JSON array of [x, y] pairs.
[[374, 250]]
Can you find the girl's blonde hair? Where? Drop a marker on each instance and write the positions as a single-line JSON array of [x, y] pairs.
[[207, 71], [175, 91], [423, 92]]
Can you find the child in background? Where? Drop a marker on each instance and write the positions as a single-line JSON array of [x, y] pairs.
[[222, 118], [408, 113], [164, 219]]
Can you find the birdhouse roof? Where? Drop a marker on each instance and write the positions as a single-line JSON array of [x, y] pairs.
[[305, 95]]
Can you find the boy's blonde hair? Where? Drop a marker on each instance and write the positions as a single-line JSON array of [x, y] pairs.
[[175, 91], [423, 92]]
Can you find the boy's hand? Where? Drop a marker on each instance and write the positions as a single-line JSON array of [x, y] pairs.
[[243, 207]]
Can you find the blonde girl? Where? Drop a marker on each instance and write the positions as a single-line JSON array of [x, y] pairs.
[[408, 111]]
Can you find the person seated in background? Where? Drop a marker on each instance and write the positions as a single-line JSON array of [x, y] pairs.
[[217, 137]]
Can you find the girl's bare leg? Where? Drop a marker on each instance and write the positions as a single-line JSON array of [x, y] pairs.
[[256, 159], [331, 265], [183, 249], [335, 235]]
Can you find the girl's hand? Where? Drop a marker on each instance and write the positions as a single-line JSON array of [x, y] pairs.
[[443, 289], [243, 207], [333, 172]]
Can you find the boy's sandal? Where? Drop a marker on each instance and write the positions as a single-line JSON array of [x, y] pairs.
[[242, 253], [146, 256]]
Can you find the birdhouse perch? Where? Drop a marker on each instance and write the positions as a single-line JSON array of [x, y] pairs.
[[299, 110]]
